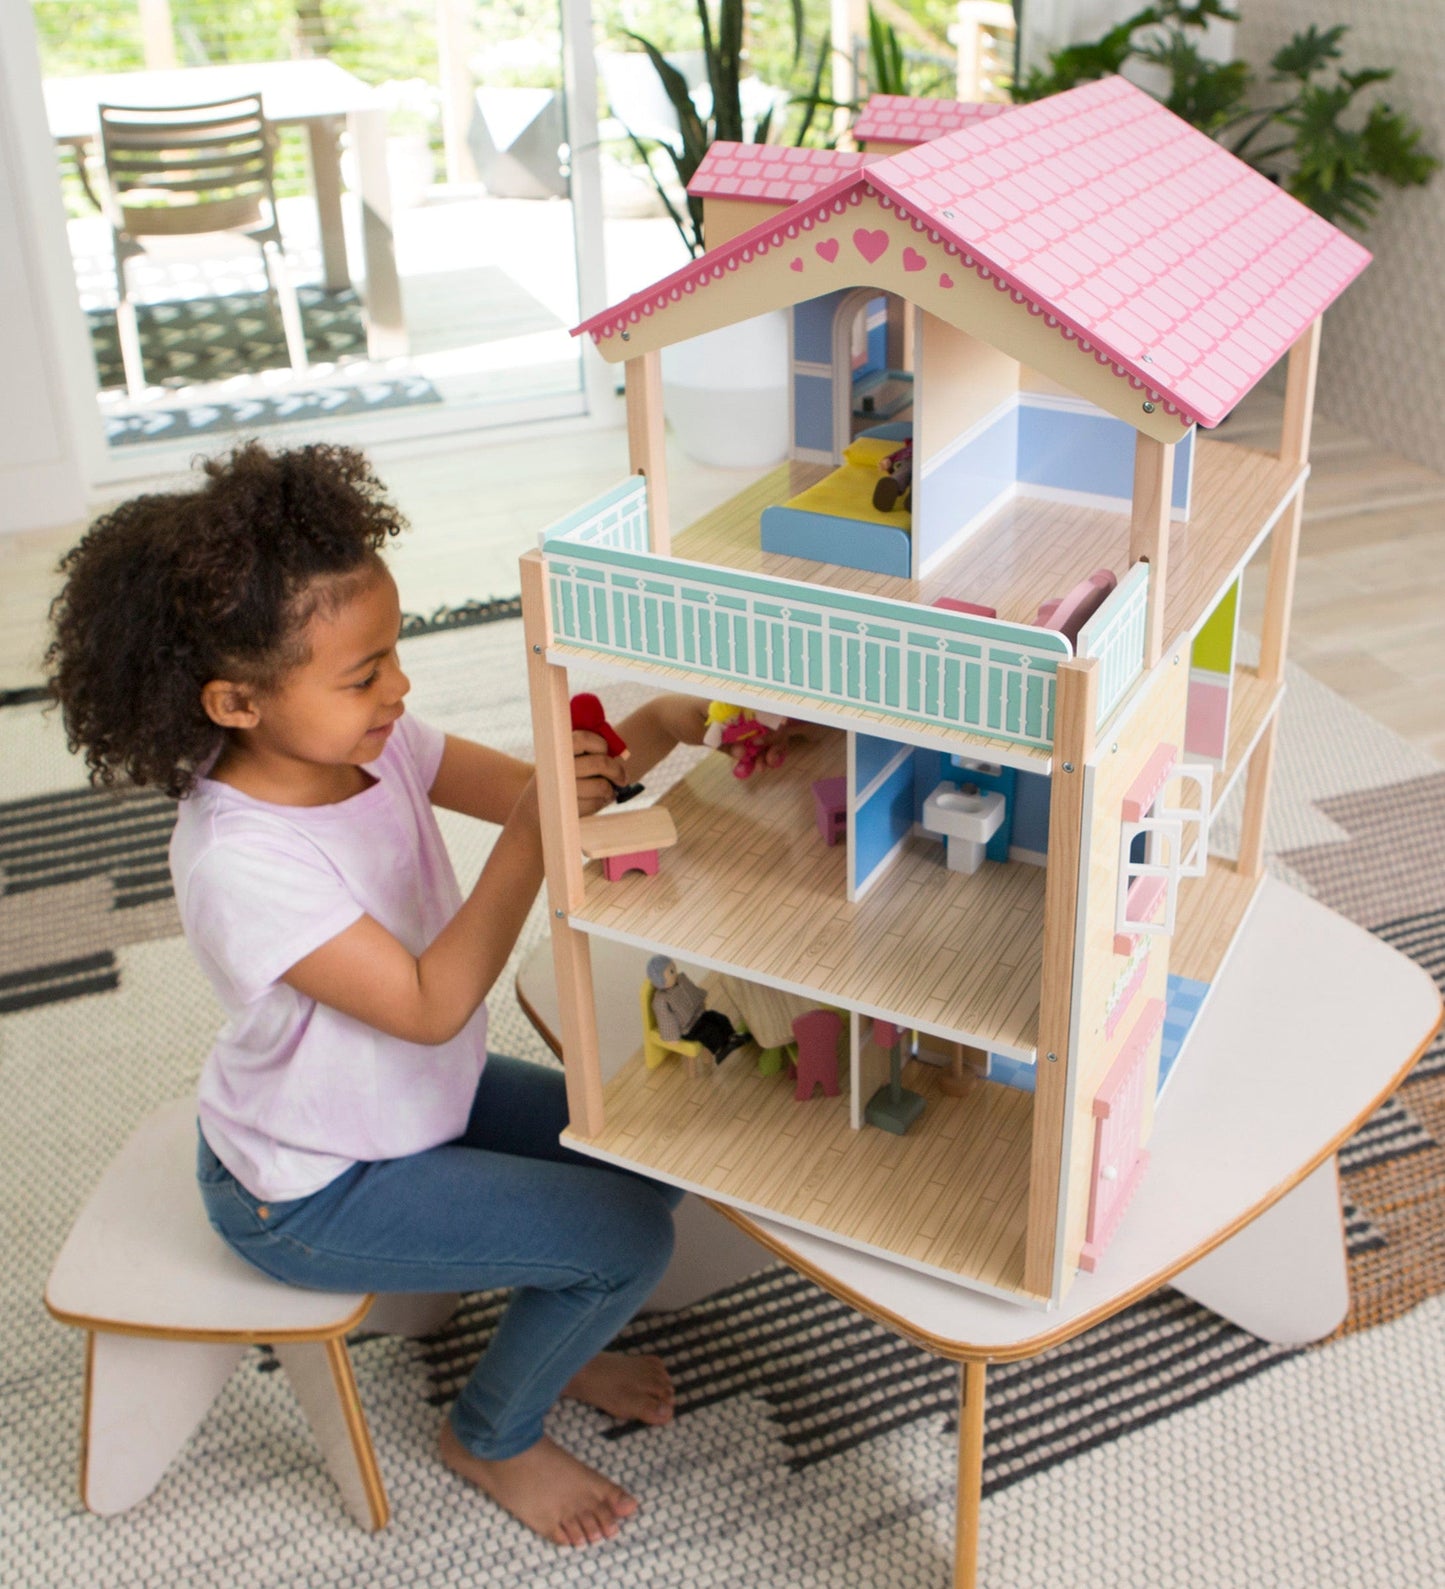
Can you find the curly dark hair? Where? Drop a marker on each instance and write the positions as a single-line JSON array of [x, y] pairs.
[[170, 591]]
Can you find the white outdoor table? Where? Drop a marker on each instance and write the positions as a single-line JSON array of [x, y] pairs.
[[1314, 1022], [317, 95]]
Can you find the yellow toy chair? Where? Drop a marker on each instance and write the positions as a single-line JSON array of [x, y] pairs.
[[656, 1048]]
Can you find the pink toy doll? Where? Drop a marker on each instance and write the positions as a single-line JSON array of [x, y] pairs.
[[751, 732]]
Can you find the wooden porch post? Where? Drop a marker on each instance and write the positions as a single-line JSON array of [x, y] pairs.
[[1149, 531], [562, 853], [646, 442], [1076, 705]]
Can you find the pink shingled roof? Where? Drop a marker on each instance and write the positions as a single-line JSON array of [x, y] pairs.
[[769, 173], [1160, 253], [898, 118]]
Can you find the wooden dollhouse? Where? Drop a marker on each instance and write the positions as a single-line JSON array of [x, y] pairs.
[[1033, 668]]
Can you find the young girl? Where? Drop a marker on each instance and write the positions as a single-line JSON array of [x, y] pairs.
[[236, 646]]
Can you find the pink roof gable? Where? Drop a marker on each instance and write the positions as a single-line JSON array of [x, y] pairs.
[[1133, 235], [897, 118], [769, 173]]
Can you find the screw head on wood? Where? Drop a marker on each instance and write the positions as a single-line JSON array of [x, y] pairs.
[[1053, 1059], [1068, 766], [1148, 407]]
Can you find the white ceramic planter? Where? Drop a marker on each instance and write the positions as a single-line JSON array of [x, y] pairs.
[[725, 393]]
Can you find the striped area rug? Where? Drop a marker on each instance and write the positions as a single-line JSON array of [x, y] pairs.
[[811, 1446]]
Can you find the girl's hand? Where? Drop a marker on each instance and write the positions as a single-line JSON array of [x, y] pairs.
[[768, 747], [598, 775]]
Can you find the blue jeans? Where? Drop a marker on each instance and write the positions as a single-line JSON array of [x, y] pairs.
[[581, 1245]]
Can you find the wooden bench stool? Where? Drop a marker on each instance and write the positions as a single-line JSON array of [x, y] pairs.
[[627, 841], [169, 1311]]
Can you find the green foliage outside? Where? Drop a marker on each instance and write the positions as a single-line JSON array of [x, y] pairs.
[[1313, 134], [746, 43]]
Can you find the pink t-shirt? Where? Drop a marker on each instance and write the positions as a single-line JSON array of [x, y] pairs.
[[295, 1092]]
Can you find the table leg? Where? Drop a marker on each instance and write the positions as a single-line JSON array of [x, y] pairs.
[[385, 324], [1284, 1276], [324, 138], [970, 1475]]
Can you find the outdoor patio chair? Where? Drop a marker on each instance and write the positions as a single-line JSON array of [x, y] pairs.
[[186, 170]]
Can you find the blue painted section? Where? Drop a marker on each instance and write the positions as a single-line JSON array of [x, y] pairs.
[[883, 822], [852, 543], [1031, 812], [876, 356], [1183, 999], [871, 755], [813, 412], [1182, 1002], [1012, 1072], [813, 328], [1090, 452], [965, 483]]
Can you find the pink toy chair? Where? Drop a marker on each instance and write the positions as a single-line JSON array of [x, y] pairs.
[[1070, 612], [615, 867], [817, 1033], [953, 604], [830, 808]]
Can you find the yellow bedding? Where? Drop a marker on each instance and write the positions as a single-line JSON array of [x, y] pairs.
[[847, 493]]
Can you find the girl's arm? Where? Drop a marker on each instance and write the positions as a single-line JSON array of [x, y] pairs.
[[370, 975], [667, 720], [478, 781]]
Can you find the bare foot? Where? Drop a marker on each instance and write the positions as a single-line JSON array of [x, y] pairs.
[[546, 1488], [627, 1387]]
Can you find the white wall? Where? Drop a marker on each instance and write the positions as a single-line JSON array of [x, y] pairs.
[[50, 436], [1382, 360]]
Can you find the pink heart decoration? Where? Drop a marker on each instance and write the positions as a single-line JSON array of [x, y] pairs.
[[945, 281], [913, 260], [797, 264], [827, 249], [871, 245]]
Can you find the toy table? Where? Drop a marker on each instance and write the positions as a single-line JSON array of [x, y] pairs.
[[1313, 1023]]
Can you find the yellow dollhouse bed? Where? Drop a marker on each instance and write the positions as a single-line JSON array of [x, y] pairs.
[[834, 521]]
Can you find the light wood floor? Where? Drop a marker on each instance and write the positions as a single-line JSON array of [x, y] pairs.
[[751, 888], [951, 1196], [1369, 595], [1032, 550]]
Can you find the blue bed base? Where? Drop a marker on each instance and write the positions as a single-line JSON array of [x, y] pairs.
[[825, 538]]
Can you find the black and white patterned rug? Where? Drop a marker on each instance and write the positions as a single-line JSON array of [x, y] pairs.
[[811, 1447]]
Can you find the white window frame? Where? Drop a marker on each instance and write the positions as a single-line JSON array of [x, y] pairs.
[[1178, 834]]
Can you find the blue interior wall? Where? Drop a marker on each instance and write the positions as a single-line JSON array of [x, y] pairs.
[[1031, 813], [813, 412], [813, 327], [884, 820], [963, 484], [870, 756], [1092, 452], [876, 357]]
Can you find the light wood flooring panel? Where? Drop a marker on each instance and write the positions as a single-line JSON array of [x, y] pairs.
[[750, 887], [1032, 550], [1211, 911], [951, 1195]]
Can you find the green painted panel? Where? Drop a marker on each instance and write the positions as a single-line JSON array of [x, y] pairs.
[[1214, 644]]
